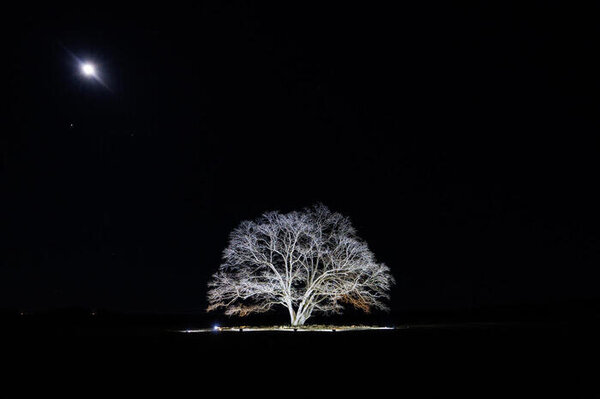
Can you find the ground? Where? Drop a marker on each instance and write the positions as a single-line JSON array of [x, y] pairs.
[[289, 328], [456, 360]]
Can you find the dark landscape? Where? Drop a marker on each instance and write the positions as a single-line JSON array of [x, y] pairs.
[[515, 352], [439, 160]]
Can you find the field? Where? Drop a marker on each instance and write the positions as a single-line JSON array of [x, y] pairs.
[[450, 360]]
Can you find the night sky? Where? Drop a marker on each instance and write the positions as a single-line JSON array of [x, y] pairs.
[[462, 141]]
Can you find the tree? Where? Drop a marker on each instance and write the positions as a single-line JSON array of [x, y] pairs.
[[306, 261]]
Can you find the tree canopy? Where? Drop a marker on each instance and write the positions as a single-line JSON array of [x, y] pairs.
[[306, 261]]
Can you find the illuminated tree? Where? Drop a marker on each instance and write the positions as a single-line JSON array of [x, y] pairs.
[[307, 261]]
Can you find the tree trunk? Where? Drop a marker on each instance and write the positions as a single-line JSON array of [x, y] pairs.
[[298, 319], [292, 315]]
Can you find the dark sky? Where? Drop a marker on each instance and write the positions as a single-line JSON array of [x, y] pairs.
[[462, 140]]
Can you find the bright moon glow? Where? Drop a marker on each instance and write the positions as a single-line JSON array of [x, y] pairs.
[[88, 69]]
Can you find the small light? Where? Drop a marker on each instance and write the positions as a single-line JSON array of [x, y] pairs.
[[88, 69], [216, 327]]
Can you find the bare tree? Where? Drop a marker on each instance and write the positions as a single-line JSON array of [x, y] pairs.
[[307, 261]]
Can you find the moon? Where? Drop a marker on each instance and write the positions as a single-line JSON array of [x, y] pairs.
[[88, 69]]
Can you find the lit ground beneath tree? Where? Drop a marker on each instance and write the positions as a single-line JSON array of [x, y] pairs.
[[309, 328]]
